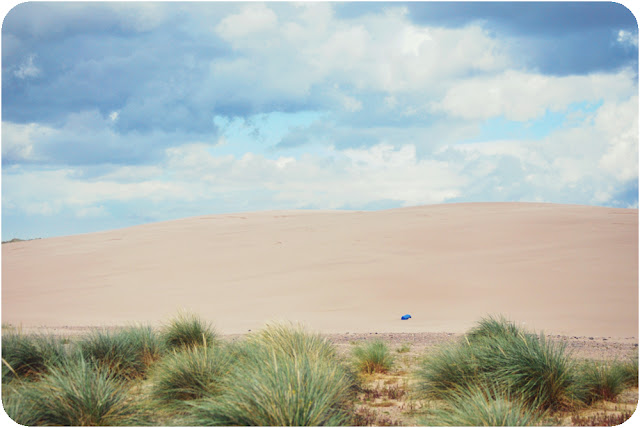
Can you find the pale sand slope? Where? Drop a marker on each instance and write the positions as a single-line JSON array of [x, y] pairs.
[[563, 269]]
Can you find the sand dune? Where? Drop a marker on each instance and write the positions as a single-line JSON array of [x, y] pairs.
[[563, 269]]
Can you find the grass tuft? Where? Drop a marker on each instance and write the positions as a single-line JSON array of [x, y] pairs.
[[603, 381], [292, 340], [373, 357], [494, 327], [187, 330], [477, 406], [29, 355], [629, 370], [498, 354], [283, 378], [77, 393], [18, 408], [190, 374], [127, 353]]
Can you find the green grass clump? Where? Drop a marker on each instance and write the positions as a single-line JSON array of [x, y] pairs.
[[373, 357], [292, 340], [282, 378], [629, 370], [28, 355], [128, 352], [603, 381], [190, 374], [188, 330], [77, 393], [478, 406], [18, 408], [499, 354], [454, 367], [493, 327]]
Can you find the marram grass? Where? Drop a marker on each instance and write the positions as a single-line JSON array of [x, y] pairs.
[[284, 378], [603, 380], [499, 354], [25, 355], [127, 353], [292, 340], [17, 407], [373, 357], [190, 374], [186, 330], [478, 406], [77, 393]]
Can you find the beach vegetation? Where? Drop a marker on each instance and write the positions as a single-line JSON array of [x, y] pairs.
[[284, 378], [497, 374], [76, 393], [190, 374], [503, 356], [603, 380], [26, 355], [404, 348], [481, 406], [128, 352], [373, 357], [186, 330]]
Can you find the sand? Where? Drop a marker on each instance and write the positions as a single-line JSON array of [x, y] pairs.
[[562, 269]]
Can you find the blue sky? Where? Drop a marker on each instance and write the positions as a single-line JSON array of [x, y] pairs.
[[116, 114]]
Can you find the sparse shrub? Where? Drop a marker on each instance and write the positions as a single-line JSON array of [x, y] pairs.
[[283, 378], [602, 419], [395, 392], [190, 374], [77, 393], [188, 330], [127, 353], [28, 355], [364, 417], [373, 357], [477, 406]]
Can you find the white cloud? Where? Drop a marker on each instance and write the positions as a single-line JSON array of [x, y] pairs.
[[27, 69], [19, 140], [523, 96], [627, 38], [253, 19], [284, 57], [620, 123], [585, 162]]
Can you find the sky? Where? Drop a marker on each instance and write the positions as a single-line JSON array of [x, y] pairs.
[[119, 114]]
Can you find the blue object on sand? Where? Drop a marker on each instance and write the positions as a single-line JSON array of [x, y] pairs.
[[406, 317]]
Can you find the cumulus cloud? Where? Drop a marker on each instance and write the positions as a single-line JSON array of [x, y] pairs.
[[253, 19], [193, 108], [524, 96]]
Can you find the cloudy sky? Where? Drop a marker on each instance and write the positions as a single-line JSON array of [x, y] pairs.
[[116, 114]]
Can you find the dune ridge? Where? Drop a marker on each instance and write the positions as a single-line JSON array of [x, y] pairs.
[[564, 269]]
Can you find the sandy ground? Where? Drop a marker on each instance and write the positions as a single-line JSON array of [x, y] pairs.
[[565, 269]]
